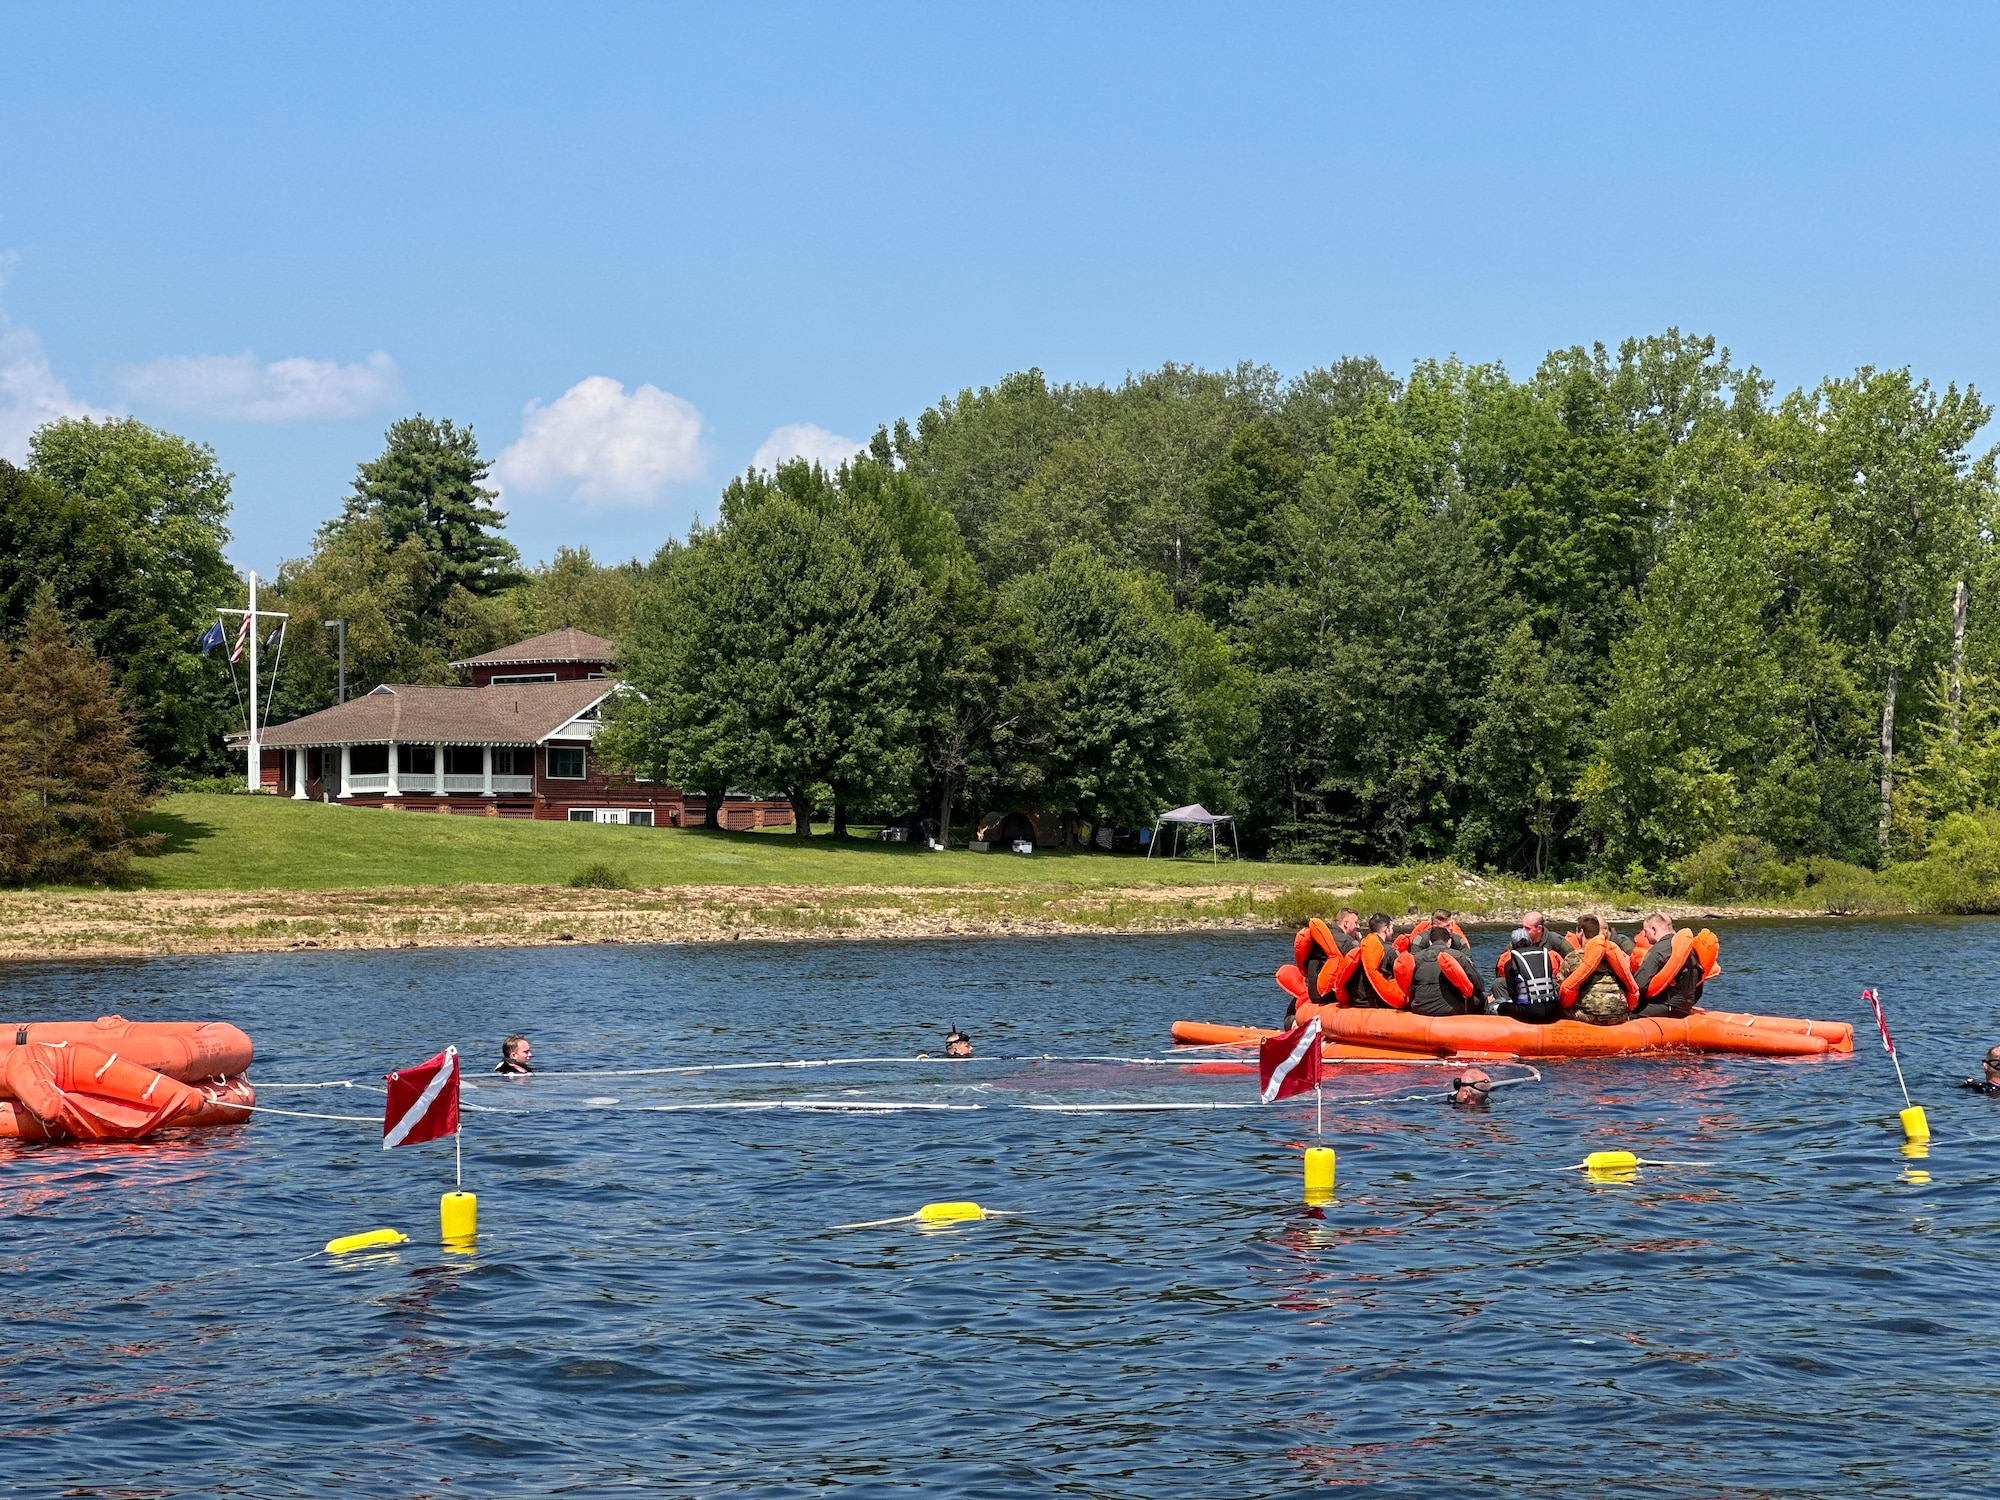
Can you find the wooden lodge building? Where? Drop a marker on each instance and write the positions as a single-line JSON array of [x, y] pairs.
[[515, 744]]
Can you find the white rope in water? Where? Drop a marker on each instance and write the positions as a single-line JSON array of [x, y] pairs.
[[900, 1106]]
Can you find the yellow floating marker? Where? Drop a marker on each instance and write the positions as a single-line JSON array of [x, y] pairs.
[[1610, 1161], [458, 1215], [1915, 1126], [367, 1241], [1319, 1174], [948, 1213]]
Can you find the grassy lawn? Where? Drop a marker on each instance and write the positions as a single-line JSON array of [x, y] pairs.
[[272, 843]]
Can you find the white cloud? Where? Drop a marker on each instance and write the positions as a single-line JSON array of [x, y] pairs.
[[805, 440], [31, 393], [598, 443], [241, 388]]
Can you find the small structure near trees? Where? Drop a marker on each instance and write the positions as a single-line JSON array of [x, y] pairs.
[[1194, 815]]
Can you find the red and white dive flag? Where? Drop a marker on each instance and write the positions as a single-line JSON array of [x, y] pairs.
[[1289, 1064], [423, 1102], [1881, 1020]]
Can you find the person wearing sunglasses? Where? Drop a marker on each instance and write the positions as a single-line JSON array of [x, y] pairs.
[[1472, 1089], [957, 1044], [1989, 1080]]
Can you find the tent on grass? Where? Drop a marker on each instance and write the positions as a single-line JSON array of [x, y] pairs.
[[1194, 815]]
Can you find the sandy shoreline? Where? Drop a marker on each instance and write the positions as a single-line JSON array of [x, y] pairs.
[[133, 924]]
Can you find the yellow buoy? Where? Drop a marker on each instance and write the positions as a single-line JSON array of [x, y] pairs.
[[1610, 1161], [458, 1215], [1319, 1174], [367, 1241], [1915, 1126], [948, 1213]]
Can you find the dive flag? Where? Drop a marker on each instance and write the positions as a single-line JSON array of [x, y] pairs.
[[1881, 1020], [423, 1102], [1289, 1064], [211, 638]]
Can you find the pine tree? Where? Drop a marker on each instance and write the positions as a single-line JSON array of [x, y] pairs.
[[429, 484], [71, 775]]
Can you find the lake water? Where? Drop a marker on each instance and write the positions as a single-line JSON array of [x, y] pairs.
[[660, 1303]]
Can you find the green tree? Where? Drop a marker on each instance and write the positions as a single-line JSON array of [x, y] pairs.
[[126, 525], [781, 651], [1104, 710], [429, 487], [72, 784], [1881, 517]]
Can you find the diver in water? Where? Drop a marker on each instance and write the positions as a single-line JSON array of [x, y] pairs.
[[516, 1056], [1472, 1089], [957, 1043], [1989, 1080]]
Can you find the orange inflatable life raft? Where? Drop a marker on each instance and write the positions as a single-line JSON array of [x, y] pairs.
[[117, 1080], [1400, 1034]]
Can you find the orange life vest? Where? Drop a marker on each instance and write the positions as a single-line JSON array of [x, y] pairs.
[[1337, 966], [1403, 942], [1600, 951], [1393, 992], [1641, 946], [1454, 973], [1702, 946], [1708, 950]]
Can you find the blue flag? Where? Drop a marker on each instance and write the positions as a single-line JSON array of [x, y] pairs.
[[211, 638]]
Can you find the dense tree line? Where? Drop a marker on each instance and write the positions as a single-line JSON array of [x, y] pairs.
[[1634, 615]]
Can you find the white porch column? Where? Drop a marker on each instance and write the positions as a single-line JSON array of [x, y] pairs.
[[486, 769], [437, 768], [299, 774], [346, 769], [395, 787]]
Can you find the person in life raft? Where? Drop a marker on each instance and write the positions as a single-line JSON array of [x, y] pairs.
[[1592, 975]]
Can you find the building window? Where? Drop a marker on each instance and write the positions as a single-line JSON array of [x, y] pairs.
[[566, 762], [503, 760], [416, 760], [640, 817], [464, 760], [524, 677], [368, 760], [583, 815]]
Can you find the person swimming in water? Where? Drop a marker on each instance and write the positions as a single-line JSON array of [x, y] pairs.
[[517, 1055], [1472, 1089], [1988, 1081], [957, 1043]]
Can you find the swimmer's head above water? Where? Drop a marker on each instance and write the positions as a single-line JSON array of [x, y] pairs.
[[1471, 1089], [957, 1043]]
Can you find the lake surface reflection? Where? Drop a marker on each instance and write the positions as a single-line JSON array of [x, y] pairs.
[[660, 1303]]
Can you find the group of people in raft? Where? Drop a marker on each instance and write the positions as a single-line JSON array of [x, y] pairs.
[[1591, 974]]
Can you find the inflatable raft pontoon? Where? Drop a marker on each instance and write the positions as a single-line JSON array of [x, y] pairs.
[[117, 1080], [1389, 1034]]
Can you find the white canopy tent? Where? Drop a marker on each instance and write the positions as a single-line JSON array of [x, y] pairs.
[[1194, 815]]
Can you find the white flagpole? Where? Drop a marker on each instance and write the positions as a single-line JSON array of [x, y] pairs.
[[1319, 1112], [255, 773]]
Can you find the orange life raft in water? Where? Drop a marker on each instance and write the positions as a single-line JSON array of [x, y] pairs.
[[117, 1080], [1398, 1033]]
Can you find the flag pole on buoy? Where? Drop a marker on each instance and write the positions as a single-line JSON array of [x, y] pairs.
[[422, 1106], [1915, 1126]]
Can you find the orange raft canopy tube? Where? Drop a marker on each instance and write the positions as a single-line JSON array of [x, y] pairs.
[[119, 1080], [1383, 1033]]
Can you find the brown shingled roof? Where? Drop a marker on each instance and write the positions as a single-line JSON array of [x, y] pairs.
[[516, 714], [567, 644]]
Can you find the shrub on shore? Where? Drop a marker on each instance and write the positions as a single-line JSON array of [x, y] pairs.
[[599, 876]]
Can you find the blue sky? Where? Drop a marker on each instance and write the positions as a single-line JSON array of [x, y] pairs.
[[631, 244]]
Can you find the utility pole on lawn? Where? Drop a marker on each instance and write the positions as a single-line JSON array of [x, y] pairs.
[[254, 773]]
